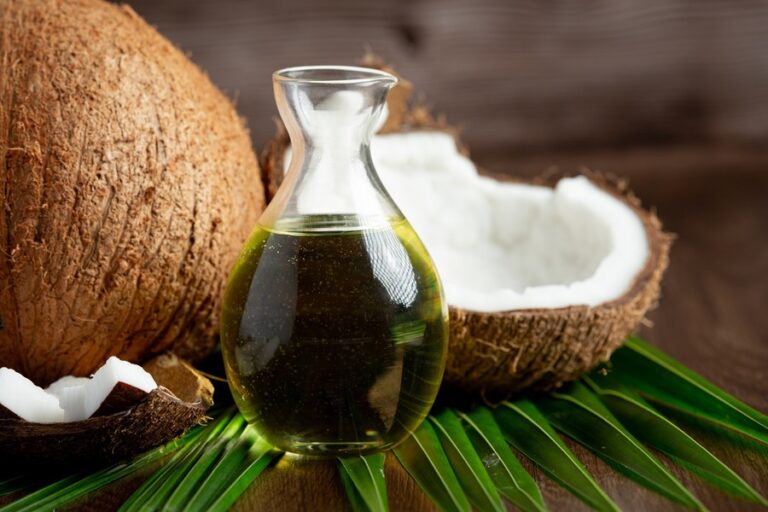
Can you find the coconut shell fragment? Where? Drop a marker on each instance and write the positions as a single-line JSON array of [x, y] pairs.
[[158, 417], [122, 398], [7, 414]]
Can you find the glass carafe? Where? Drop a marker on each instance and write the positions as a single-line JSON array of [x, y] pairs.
[[334, 326]]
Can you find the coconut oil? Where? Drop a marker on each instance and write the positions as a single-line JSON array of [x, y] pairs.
[[334, 327], [334, 336]]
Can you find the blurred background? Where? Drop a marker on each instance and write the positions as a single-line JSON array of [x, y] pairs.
[[521, 75], [672, 94]]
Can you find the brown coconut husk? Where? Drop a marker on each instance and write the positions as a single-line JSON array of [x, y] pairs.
[[151, 419], [128, 189], [498, 354]]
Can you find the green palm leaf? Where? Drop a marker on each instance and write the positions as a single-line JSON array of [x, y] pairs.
[[528, 430], [260, 456], [579, 414], [424, 459], [466, 462], [510, 477], [655, 430], [353, 495], [191, 481], [661, 379], [366, 474], [238, 454], [153, 493]]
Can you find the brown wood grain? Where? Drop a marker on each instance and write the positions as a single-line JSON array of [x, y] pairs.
[[521, 74]]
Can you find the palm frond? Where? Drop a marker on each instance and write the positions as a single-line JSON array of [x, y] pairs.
[[526, 428], [661, 379], [653, 429], [466, 462], [366, 476], [579, 414], [424, 459], [508, 474]]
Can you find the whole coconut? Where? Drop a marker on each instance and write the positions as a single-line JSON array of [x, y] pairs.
[[128, 186]]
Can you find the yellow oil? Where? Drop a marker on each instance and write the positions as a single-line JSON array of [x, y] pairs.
[[334, 336]]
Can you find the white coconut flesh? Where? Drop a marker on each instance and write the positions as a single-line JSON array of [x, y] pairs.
[[502, 246], [69, 398], [70, 391], [29, 402]]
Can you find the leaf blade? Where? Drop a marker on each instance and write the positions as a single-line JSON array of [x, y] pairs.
[[682, 389], [467, 465], [578, 413], [263, 456], [424, 459], [232, 462], [208, 457], [356, 501], [508, 474], [366, 473], [527, 429], [653, 429]]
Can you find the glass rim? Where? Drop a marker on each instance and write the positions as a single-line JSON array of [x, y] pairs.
[[349, 75]]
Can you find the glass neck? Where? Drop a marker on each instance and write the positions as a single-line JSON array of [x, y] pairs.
[[330, 114]]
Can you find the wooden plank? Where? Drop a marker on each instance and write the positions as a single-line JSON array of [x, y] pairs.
[[517, 74]]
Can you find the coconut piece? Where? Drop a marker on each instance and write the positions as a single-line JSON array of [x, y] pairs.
[[116, 386], [68, 381], [499, 353], [71, 394], [543, 279], [20, 396], [157, 418]]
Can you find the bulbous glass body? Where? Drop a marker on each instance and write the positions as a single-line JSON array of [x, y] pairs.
[[334, 326]]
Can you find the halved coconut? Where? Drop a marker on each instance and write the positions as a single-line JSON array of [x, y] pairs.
[[543, 279], [134, 410]]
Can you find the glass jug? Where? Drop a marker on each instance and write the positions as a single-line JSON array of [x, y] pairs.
[[334, 326]]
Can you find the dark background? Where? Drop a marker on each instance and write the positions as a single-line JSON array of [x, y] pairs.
[[672, 94], [518, 75]]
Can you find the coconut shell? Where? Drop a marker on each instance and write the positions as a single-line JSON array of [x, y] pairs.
[[156, 418], [128, 189], [122, 397], [498, 354]]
